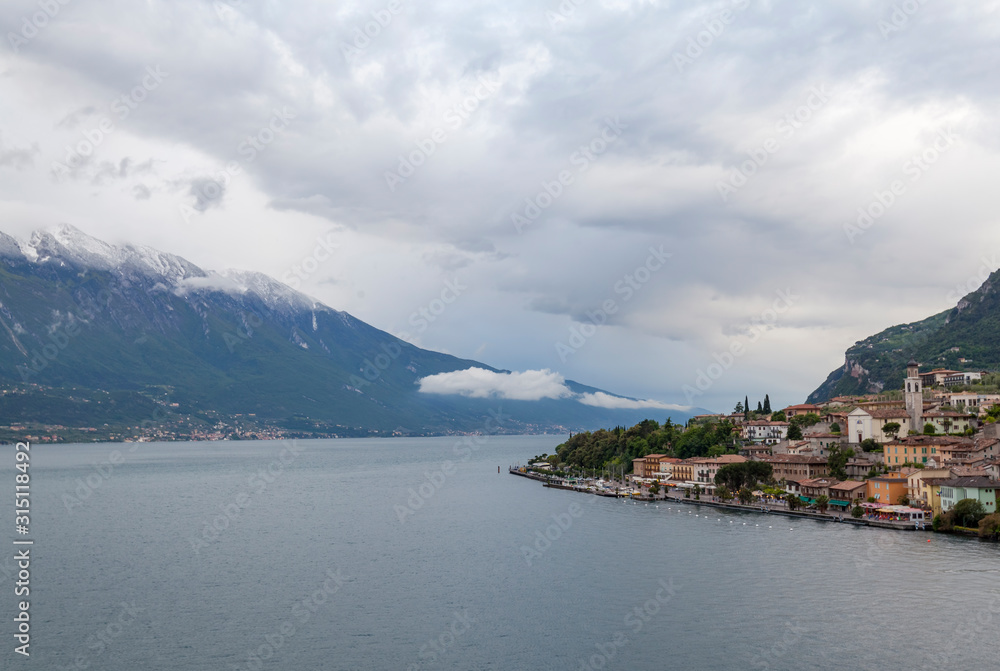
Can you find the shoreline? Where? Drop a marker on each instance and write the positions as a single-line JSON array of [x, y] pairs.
[[736, 507]]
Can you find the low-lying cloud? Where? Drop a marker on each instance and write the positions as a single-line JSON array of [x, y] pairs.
[[601, 400], [531, 385]]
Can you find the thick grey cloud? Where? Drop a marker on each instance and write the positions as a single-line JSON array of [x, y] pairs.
[[535, 154]]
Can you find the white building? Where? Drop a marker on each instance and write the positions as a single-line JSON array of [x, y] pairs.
[[859, 426], [956, 379], [762, 431]]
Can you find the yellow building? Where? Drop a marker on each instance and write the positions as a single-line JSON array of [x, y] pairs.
[[918, 485]]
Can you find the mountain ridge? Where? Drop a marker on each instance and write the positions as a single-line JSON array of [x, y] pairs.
[[965, 337], [77, 313]]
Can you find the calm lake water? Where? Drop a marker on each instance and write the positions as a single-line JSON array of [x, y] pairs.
[[320, 564]]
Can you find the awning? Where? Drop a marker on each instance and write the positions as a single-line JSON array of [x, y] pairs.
[[835, 502]]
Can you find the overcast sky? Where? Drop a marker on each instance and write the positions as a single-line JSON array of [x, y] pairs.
[[519, 167]]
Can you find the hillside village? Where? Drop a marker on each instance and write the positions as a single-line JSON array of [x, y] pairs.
[[905, 457]]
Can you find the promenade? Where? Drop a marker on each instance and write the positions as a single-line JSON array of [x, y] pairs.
[[760, 507]]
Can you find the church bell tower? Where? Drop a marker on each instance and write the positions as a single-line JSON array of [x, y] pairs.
[[914, 395]]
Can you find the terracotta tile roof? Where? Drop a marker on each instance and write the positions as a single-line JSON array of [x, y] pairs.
[[849, 485], [794, 459]]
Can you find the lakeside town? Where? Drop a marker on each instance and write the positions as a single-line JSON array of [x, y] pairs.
[[925, 457]]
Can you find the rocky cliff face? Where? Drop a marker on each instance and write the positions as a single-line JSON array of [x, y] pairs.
[[967, 337]]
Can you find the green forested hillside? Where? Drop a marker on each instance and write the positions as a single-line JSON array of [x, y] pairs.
[[970, 331]]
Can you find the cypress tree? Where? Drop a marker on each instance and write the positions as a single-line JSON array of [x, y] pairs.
[[767, 404]]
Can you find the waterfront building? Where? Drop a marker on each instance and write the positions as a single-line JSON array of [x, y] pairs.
[[888, 488], [797, 467], [851, 491], [981, 489], [919, 485]]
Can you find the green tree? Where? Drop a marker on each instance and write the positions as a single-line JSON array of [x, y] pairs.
[[778, 416], [767, 404], [760, 408], [903, 500], [891, 429], [967, 513], [654, 489], [835, 428], [857, 512], [745, 495], [738, 409], [794, 502], [870, 445], [697, 492], [808, 419], [929, 429], [553, 459], [989, 527], [822, 501], [723, 493], [837, 458], [794, 432], [746, 407]]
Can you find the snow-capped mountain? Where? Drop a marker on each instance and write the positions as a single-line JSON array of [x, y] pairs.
[[79, 313]]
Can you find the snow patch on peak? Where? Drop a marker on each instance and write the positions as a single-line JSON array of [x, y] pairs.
[[274, 294], [9, 247], [68, 244]]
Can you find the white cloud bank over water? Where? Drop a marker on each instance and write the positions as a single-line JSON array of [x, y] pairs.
[[530, 385], [601, 400]]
